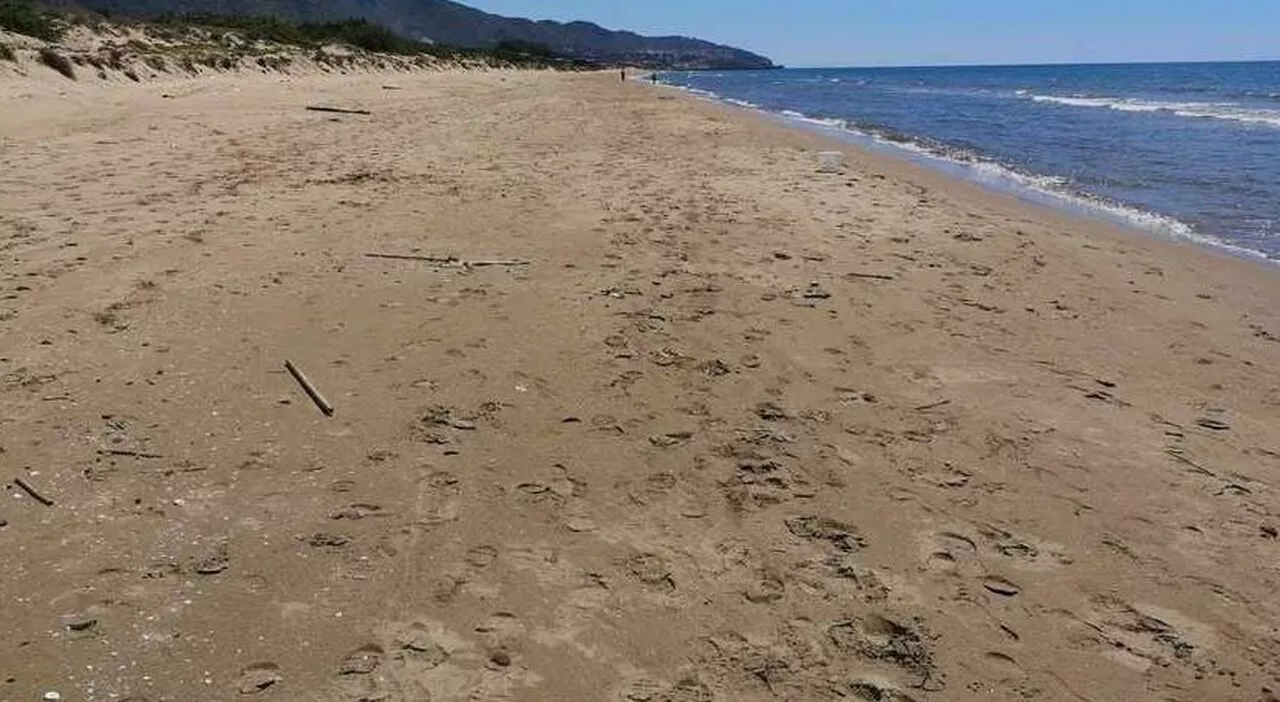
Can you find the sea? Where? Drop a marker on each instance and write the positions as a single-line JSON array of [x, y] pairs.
[[1187, 150]]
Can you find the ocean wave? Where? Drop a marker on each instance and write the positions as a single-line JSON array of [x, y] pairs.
[[979, 168], [1220, 92], [1198, 110], [706, 94], [1053, 190], [1047, 189], [819, 121]]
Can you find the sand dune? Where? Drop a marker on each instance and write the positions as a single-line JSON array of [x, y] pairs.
[[727, 428]]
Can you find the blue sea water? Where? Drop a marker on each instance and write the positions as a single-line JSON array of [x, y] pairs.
[[1188, 150]]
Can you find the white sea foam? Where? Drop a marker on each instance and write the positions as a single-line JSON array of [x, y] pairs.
[[699, 92], [1199, 110], [820, 121], [1054, 190], [1047, 189]]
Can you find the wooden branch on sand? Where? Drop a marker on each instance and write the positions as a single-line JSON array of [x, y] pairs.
[[339, 110], [411, 257], [310, 389], [872, 276], [124, 452], [481, 264], [35, 494], [449, 260], [934, 405]]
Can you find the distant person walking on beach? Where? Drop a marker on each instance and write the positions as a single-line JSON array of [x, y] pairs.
[[624, 75], [654, 77]]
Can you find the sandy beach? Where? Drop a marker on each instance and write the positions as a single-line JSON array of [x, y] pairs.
[[661, 414]]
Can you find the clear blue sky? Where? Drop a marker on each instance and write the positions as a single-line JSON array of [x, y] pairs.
[[918, 32]]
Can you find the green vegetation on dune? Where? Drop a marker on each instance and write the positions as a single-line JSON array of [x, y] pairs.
[[357, 33], [23, 17], [57, 62], [362, 34], [230, 32], [439, 28], [455, 24]]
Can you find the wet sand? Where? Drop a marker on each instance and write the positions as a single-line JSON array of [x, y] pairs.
[[676, 417]]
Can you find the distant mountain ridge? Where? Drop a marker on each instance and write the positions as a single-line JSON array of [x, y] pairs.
[[447, 22]]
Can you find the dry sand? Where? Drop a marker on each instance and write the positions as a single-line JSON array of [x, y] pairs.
[[690, 452]]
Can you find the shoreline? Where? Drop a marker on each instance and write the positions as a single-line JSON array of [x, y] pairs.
[[658, 411], [900, 162], [995, 177]]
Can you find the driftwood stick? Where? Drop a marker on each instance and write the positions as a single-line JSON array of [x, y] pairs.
[[1176, 455], [310, 389], [135, 454], [481, 264], [449, 260], [26, 487], [935, 405], [339, 110], [415, 257], [872, 276]]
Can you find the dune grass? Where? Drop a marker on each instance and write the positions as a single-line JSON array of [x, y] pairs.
[[23, 17], [57, 62]]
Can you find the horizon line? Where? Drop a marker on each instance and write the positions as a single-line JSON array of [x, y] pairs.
[[1037, 64]]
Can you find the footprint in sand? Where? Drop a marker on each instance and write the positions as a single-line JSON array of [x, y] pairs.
[[689, 690], [503, 634], [357, 511], [362, 661], [412, 661], [258, 677], [1001, 586], [341, 486], [325, 540], [481, 557], [445, 588], [654, 488], [1142, 636], [950, 553], [874, 637], [1002, 666], [758, 484], [842, 536], [650, 569], [767, 588], [942, 561], [867, 582], [876, 690], [804, 641], [214, 561], [651, 690], [1026, 553], [443, 482], [414, 646], [643, 690], [355, 674]]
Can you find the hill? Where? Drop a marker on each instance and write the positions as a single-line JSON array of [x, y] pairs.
[[451, 23], [82, 45]]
